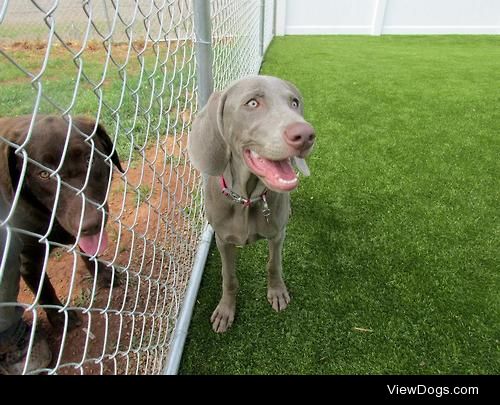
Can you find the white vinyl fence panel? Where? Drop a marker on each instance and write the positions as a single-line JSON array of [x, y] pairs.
[[375, 17]]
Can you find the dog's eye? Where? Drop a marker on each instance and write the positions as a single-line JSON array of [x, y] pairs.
[[295, 103], [253, 103], [44, 174]]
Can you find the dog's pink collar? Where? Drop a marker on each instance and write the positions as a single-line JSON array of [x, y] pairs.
[[246, 202]]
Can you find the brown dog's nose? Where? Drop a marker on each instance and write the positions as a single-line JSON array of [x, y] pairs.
[[92, 222], [299, 135], [90, 227]]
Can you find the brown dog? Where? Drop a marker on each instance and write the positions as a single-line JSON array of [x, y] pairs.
[[49, 203]]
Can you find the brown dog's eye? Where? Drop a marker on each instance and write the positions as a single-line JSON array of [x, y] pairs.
[[44, 174], [295, 103], [253, 103]]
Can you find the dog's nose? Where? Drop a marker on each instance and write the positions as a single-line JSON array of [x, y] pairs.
[[91, 224], [90, 227], [299, 135]]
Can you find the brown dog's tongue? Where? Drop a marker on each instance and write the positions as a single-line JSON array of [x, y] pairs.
[[89, 244]]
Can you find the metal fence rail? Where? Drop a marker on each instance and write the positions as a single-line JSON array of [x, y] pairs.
[[130, 66]]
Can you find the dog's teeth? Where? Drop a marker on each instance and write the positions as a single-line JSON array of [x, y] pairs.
[[302, 166], [283, 181], [256, 156]]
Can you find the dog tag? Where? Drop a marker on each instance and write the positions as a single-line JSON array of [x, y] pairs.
[[265, 209]]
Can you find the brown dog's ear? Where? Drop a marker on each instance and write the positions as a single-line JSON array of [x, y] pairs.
[[207, 149], [9, 174], [108, 145], [6, 186], [86, 125]]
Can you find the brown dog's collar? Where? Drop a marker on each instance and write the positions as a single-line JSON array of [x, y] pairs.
[[246, 202]]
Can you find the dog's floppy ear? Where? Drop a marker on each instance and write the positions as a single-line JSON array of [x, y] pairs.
[[87, 125], [6, 187], [9, 174], [207, 148], [108, 145]]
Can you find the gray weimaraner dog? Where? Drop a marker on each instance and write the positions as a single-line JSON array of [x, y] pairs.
[[245, 141]]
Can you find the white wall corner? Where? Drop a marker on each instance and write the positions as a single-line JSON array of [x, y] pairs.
[[378, 17], [280, 28]]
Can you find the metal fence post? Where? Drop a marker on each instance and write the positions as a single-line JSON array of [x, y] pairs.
[[204, 74], [261, 28], [203, 47]]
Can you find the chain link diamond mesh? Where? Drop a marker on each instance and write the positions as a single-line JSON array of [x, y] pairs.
[[128, 66]]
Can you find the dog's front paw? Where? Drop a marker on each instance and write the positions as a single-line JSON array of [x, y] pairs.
[[278, 297], [57, 319], [223, 316], [105, 278]]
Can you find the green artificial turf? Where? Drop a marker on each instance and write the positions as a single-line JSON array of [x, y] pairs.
[[392, 253]]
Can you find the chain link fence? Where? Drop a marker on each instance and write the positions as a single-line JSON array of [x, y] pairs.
[[129, 69]]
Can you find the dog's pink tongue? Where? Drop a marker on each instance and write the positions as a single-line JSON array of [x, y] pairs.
[[90, 244], [281, 169], [276, 174]]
